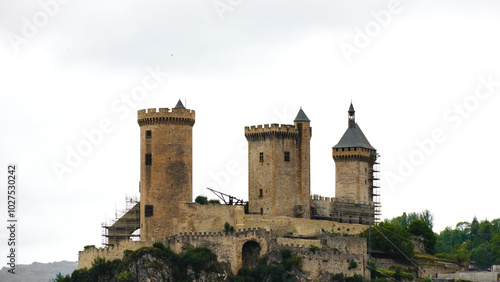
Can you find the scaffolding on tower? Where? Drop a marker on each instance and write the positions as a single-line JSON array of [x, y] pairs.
[[367, 213], [125, 224], [375, 188]]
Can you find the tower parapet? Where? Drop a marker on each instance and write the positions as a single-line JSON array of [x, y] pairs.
[[166, 115], [284, 131], [353, 154]]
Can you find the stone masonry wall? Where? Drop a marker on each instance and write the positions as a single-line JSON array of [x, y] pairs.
[[335, 255], [227, 247], [166, 182], [353, 170], [299, 226]]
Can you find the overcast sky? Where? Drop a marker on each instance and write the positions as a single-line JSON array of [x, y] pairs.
[[424, 78]]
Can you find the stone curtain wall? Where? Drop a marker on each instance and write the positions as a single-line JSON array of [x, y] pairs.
[[335, 254], [86, 257], [299, 226], [228, 248]]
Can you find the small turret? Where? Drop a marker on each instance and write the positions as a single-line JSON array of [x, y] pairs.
[[179, 105], [301, 116], [351, 118]]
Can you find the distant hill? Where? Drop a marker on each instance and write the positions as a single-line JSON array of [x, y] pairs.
[[38, 271]]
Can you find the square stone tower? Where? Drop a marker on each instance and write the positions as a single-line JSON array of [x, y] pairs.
[[279, 168]]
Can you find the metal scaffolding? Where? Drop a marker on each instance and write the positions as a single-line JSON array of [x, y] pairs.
[[367, 213], [124, 226], [375, 188]]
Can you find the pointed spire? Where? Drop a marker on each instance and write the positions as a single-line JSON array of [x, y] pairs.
[[351, 110], [179, 105], [301, 116], [353, 136], [351, 118]]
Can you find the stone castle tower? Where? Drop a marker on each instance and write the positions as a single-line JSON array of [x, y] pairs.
[[354, 175], [279, 168], [166, 168]]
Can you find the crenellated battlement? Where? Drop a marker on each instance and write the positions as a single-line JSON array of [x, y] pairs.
[[260, 132], [319, 198], [186, 237], [176, 242], [165, 115], [353, 154]]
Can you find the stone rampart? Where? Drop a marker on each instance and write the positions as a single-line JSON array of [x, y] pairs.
[[227, 247], [165, 115], [258, 132]]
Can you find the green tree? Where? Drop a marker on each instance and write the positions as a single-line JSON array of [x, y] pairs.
[[463, 226], [449, 238], [398, 275], [405, 219], [372, 266], [495, 247], [202, 200], [427, 217], [483, 256], [461, 253], [420, 228], [474, 227], [400, 220], [496, 225], [390, 238], [62, 278], [485, 231], [200, 258]]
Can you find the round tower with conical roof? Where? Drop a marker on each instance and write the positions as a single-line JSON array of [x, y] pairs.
[[166, 168]]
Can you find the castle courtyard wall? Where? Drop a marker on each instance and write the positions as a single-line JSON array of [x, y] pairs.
[[299, 226], [212, 217]]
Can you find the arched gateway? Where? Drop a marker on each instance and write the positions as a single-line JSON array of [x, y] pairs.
[[250, 254]]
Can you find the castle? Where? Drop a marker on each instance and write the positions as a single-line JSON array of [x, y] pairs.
[[280, 205]]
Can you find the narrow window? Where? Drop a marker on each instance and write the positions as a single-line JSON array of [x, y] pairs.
[[148, 212], [360, 220], [148, 134], [287, 156], [149, 159], [261, 157], [261, 211], [260, 193]]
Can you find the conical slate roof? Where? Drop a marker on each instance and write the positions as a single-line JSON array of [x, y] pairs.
[[179, 105], [351, 109], [354, 137], [301, 116]]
